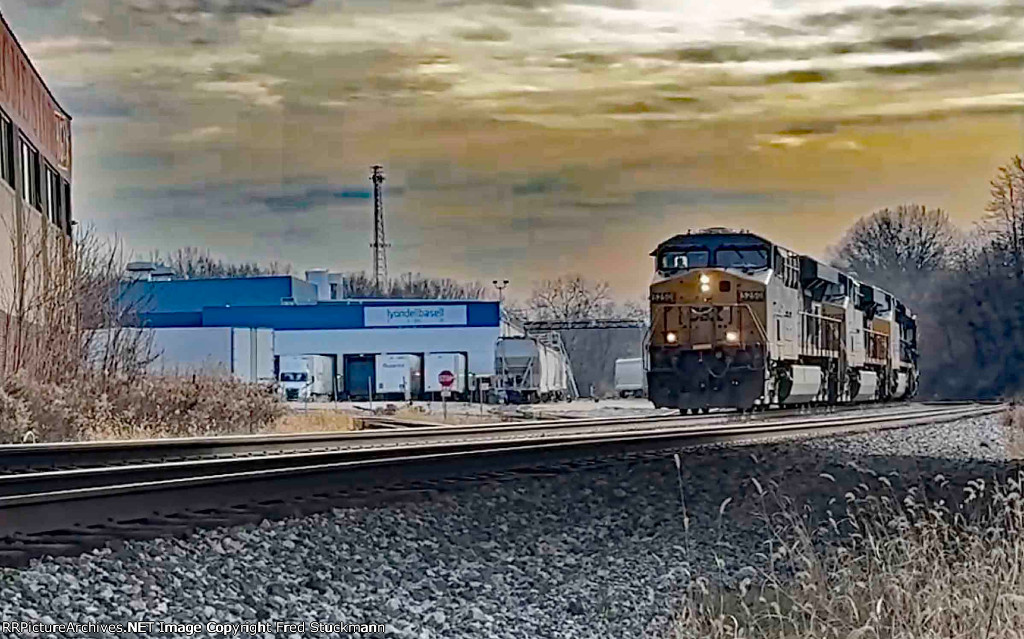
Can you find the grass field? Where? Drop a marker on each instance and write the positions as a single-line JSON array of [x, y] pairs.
[[892, 567]]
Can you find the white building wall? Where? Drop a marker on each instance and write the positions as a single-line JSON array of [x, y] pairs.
[[244, 352], [477, 342]]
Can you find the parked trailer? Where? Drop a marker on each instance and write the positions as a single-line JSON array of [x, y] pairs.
[[630, 377], [245, 353], [399, 376], [436, 363], [303, 377], [528, 371]]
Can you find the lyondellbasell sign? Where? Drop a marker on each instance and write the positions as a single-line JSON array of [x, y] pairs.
[[439, 315]]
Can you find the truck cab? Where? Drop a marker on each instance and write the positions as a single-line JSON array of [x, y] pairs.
[[306, 377]]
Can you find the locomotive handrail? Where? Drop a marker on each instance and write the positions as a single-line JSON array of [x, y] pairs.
[[818, 343], [869, 351]]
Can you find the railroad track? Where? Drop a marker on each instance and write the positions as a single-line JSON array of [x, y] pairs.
[[63, 498], [21, 458]]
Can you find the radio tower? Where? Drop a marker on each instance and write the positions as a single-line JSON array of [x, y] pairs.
[[380, 245]]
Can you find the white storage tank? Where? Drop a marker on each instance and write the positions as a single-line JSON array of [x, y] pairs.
[[435, 363], [399, 375]]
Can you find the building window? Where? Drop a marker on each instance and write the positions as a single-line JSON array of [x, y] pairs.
[[53, 196], [6, 149], [67, 205], [30, 174]]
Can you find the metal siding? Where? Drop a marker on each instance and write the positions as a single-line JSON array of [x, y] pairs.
[[191, 350], [484, 314], [264, 338], [241, 349], [167, 320], [175, 296], [335, 316], [285, 317]]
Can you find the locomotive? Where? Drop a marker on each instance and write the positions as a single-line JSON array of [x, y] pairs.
[[740, 322]]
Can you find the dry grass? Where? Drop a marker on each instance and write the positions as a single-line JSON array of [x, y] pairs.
[[1013, 430], [892, 568], [61, 380], [313, 421], [99, 407], [454, 418]]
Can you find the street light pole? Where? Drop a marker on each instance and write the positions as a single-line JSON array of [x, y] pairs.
[[501, 289]]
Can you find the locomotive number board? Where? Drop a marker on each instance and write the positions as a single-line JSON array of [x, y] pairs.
[[751, 296]]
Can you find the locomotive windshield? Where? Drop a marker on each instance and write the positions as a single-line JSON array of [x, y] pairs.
[[681, 259], [742, 257], [721, 252]]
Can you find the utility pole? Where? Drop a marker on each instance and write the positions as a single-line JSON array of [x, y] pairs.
[[380, 245]]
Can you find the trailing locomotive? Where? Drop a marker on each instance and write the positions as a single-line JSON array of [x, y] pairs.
[[740, 322]]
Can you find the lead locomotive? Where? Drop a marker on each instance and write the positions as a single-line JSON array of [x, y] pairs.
[[739, 322]]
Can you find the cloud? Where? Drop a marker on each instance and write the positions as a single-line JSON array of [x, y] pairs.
[[219, 7], [585, 112], [204, 134]]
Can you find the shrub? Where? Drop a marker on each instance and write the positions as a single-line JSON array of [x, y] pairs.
[[101, 407], [61, 379], [891, 568]]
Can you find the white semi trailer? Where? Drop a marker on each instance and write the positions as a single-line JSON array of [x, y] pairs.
[[399, 376], [305, 377], [630, 377], [435, 364]]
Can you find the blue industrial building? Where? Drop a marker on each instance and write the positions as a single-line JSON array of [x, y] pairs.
[[307, 320]]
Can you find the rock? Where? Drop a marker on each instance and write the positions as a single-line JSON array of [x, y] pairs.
[[598, 552]]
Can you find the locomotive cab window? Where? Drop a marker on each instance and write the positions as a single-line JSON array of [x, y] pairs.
[[681, 259], [743, 257]]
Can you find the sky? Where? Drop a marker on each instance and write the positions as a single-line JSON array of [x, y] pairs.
[[522, 139]]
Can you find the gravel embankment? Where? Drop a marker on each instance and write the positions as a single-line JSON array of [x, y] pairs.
[[602, 552]]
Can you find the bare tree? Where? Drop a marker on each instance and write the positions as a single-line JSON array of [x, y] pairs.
[[569, 298], [192, 262], [894, 247], [65, 288], [413, 286], [1004, 224], [638, 310]]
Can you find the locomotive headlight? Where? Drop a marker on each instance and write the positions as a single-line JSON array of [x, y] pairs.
[[705, 288], [704, 278], [671, 337], [732, 336]]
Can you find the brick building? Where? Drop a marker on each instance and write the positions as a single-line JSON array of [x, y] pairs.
[[35, 175]]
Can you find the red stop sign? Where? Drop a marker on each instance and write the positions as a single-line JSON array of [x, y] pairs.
[[446, 378]]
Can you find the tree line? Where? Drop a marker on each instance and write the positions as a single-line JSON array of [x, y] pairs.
[[570, 297], [965, 285]]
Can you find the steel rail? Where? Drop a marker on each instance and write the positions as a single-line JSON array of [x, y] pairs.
[[19, 458], [43, 481], [62, 499]]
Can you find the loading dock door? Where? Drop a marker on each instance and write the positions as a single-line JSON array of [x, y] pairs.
[[359, 375]]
